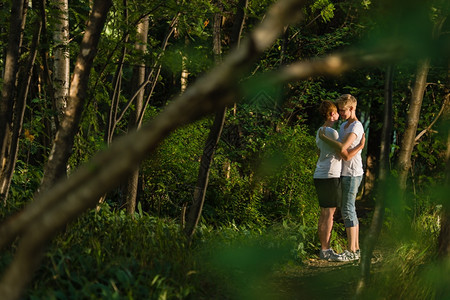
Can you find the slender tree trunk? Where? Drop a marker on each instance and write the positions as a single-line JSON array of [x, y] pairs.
[[151, 78], [55, 168], [138, 79], [373, 149], [61, 57], [19, 111], [382, 188], [238, 23], [157, 65], [47, 90], [17, 23], [184, 71], [407, 144], [116, 83], [212, 141]]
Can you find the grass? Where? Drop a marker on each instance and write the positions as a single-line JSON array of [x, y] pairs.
[[109, 255], [411, 268]]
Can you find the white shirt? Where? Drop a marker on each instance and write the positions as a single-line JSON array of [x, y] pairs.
[[354, 166], [329, 163]]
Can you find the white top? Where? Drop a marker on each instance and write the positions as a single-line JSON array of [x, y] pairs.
[[354, 166], [329, 163]]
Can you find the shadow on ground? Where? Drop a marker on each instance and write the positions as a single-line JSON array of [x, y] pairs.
[[316, 280]]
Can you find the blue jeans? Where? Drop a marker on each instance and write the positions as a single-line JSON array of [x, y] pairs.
[[350, 187]]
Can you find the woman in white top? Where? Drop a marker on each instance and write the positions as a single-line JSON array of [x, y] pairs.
[[327, 178]]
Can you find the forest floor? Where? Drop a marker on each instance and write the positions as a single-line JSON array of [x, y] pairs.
[[321, 279]]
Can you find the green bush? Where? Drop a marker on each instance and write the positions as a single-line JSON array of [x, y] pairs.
[[264, 177], [110, 255]]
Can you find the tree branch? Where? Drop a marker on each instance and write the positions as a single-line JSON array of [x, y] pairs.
[[444, 104]]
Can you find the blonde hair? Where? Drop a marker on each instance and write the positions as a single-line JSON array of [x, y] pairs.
[[326, 108], [346, 99]]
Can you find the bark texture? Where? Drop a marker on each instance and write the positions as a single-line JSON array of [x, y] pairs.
[[55, 169], [17, 21], [138, 79], [19, 112], [61, 56], [408, 138]]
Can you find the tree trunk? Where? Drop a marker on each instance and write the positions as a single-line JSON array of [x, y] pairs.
[[407, 144], [19, 111], [212, 141], [114, 119], [55, 169], [48, 90], [373, 149], [17, 22], [195, 210], [61, 56], [382, 187], [116, 83], [184, 71], [238, 23], [157, 66], [138, 79]]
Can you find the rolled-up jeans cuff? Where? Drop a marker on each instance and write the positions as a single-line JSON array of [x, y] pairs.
[[350, 223]]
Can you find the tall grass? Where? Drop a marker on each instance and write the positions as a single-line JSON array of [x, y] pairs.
[[411, 268]]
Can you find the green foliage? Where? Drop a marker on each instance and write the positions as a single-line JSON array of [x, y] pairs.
[[269, 174], [242, 259], [410, 268], [285, 174], [325, 7], [26, 180], [169, 176], [109, 255]]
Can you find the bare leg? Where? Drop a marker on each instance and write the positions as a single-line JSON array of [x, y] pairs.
[[325, 226], [352, 238], [357, 237]]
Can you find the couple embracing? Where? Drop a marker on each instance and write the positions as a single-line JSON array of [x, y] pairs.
[[338, 174]]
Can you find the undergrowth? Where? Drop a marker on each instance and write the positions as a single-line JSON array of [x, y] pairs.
[[109, 255], [410, 267]]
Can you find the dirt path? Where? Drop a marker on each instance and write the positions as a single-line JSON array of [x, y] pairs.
[[318, 279]]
